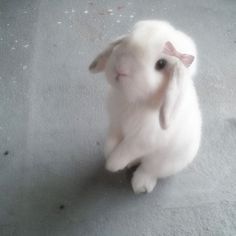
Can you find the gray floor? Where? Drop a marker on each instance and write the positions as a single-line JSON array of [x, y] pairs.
[[53, 122]]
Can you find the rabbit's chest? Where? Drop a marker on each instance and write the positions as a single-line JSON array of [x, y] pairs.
[[137, 122], [132, 119]]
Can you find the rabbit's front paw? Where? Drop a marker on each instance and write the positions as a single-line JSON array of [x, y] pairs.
[[142, 182]]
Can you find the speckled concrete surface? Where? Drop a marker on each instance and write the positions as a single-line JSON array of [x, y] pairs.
[[53, 122]]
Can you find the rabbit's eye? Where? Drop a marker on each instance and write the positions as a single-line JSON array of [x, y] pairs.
[[160, 64]]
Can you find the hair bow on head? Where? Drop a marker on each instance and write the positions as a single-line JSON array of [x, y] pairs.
[[170, 50]]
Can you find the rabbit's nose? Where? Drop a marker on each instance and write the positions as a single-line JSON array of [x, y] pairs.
[[121, 71]]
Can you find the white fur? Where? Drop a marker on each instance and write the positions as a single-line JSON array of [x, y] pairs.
[[152, 120]]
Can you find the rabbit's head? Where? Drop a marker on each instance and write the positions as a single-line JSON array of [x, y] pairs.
[[138, 65]]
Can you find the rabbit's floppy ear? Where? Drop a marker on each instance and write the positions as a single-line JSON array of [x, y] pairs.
[[172, 95], [100, 61], [175, 80]]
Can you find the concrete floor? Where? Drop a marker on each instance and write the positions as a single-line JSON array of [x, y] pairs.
[[53, 122]]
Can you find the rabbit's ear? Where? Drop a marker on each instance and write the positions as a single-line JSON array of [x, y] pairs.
[[100, 61], [172, 95]]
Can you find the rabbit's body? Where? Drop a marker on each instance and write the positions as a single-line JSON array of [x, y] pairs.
[[154, 118], [165, 152]]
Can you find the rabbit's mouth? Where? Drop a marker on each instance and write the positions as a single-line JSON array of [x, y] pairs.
[[117, 78], [120, 76]]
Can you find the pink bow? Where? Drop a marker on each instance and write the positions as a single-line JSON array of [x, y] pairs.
[[170, 50]]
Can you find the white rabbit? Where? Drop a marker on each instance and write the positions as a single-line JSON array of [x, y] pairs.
[[153, 106]]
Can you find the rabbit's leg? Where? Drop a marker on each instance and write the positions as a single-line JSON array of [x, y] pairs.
[[153, 167], [173, 164], [127, 152], [114, 137], [144, 178]]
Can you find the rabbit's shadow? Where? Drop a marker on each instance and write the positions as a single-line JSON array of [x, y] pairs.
[[57, 203], [61, 203]]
